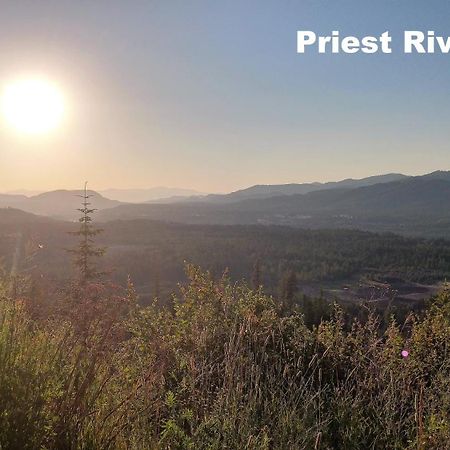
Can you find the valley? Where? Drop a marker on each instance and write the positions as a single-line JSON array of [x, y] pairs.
[[349, 265]]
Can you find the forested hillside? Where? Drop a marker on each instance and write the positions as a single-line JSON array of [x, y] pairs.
[[345, 264], [393, 203], [273, 190], [411, 206]]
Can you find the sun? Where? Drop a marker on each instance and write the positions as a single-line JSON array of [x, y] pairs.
[[32, 106]]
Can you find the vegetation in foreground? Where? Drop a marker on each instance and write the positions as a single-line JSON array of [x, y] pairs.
[[223, 367]]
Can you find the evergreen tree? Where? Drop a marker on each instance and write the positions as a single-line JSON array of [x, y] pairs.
[[86, 251], [256, 275], [156, 283], [289, 287]]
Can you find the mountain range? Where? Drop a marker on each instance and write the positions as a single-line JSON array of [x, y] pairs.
[[392, 202], [60, 204], [409, 205], [274, 190], [158, 194]]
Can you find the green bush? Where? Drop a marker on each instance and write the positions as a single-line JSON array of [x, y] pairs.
[[223, 368]]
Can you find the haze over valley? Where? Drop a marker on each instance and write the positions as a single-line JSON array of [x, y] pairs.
[[272, 224], [409, 205]]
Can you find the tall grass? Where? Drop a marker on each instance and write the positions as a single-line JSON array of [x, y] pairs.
[[223, 368]]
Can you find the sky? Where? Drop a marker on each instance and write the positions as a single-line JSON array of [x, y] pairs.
[[212, 95]]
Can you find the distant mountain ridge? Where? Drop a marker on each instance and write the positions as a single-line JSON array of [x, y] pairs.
[[60, 204], [16, 217], [411, 205], [349, 203], [272, 190], [148, 195]]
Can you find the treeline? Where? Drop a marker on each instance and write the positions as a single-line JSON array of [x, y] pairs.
[[154, 253], [148, 250]]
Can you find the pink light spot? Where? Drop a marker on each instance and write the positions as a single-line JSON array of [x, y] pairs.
[[405, 353]]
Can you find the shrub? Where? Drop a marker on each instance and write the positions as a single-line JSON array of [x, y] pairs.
[[223, 367]]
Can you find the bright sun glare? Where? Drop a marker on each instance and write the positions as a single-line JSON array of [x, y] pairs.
[[32, 106]]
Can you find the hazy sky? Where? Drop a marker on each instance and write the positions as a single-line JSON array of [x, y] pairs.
[[212, 95]]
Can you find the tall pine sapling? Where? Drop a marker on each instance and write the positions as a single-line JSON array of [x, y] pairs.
[[289, 287], [86, 251], [256, 275]]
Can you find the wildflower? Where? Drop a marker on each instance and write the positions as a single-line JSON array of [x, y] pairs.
[[405, 353]]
